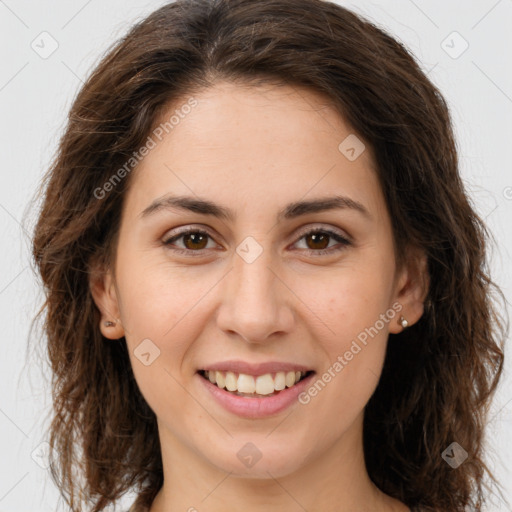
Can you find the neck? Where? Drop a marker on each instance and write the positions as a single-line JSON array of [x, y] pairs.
[[333, 480]]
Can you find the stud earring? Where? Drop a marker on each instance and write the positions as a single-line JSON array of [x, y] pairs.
[[403, 322], [108, 323]]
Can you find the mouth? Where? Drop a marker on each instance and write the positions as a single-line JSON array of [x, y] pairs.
[[254, 386]]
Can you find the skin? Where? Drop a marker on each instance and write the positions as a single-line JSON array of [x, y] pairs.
[[254, 150]]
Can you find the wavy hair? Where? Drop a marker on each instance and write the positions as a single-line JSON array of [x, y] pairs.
[[439, 375]]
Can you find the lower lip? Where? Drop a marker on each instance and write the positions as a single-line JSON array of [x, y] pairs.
[[257, 407]]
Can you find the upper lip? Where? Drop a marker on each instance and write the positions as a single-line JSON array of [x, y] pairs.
[[238, 366]]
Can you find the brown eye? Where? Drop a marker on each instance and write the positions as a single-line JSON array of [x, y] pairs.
[[193, 240], [317, 242]]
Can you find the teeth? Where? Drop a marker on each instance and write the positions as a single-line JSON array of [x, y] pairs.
[[265, 384], [220, 379], [231, 382], [260, 385], [279, 381], [246, 384]]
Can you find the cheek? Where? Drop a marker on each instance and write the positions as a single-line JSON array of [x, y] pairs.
[[166, 306], [352, 299], [163, 312], [157, 297], [355, 306]]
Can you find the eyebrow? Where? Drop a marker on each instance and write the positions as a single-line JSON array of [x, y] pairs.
[[290, 211]]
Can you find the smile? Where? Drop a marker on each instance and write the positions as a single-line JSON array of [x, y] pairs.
[[250, 386]]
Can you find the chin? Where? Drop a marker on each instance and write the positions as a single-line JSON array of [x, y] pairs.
[[259, 457]]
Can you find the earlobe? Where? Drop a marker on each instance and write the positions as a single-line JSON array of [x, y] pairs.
[[112, 329], [103, 291], [412, 290]]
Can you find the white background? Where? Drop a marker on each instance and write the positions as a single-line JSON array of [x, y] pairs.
[[36, 93]]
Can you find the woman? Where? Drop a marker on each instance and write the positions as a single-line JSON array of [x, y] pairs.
[[266, 287]]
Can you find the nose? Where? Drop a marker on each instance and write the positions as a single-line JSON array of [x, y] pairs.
[[256, 303]]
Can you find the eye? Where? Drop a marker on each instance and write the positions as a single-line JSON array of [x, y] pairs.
[[319, 238], [317, 241], [194, 240]]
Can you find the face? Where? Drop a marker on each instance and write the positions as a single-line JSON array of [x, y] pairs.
[[257, 283]]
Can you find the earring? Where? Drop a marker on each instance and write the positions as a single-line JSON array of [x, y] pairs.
[[108, 323], [403, 322]]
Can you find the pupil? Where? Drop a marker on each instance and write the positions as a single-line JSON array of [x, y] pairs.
[[316, 236], [194, 237]]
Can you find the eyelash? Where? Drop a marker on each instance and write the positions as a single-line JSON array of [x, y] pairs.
[[342, 240]]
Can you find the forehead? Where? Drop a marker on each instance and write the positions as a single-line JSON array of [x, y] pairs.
[[246, 146]]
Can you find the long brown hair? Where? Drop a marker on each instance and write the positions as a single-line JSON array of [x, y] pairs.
[[439, 375]]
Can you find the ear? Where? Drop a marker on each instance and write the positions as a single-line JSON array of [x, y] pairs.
[[103, 291], [411, 288]]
